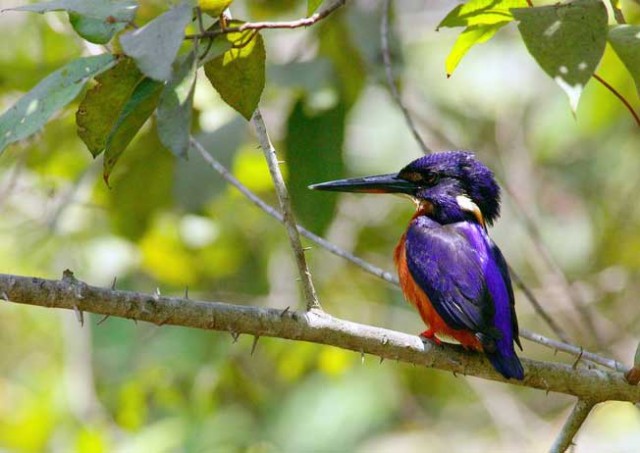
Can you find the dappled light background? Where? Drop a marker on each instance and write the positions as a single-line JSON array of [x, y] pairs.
[[569, 228]]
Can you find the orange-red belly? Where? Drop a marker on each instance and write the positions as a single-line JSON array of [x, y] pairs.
[[417, 297]]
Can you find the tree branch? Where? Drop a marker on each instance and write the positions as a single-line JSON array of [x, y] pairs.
[[287, 213], [572, 425], [313, 326]]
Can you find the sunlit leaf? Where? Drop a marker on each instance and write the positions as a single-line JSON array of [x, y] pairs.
[[105, 10], [94, 30], [135, 112], [175, 107], [55, 91], [101, 106], [312, 6], [471, 36], [481, 12], [314, 154], [155, 46], [238, 74], [625, 40], [566, 40]]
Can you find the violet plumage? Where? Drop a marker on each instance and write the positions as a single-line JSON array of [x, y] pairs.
[[449, 267]]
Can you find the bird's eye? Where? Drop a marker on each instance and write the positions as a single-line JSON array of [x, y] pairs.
[[432, 178]]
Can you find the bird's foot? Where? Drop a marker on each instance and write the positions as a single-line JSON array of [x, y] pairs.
[[430, 335]]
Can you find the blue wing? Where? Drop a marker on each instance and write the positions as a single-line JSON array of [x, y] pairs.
[[467, 281], [446, 265]]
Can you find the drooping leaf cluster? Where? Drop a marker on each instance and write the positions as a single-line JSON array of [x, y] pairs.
[[567, 40]]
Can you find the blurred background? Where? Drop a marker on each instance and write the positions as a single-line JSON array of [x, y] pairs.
[[569, 228]]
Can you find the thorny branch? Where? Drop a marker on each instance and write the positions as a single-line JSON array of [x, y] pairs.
[[313, 326], [269, 151]]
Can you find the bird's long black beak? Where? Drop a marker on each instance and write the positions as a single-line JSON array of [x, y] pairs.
[[369, 184]]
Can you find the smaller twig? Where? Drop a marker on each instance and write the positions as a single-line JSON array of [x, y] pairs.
[[543, 251], [537, 306], [221, 169], [285, 207], [386, 58], [617, 13], [573, 350], [571, 426], [299, 23], [617, 94]]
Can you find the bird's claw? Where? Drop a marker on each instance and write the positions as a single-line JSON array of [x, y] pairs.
[[430, 335]]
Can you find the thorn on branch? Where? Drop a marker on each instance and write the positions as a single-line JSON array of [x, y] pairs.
[[575, 364], [284, 312], [255, 343], [381, 360], [186, 292], [103, 319], [235, 336], [79, 315], [113, 283], [156, 294]]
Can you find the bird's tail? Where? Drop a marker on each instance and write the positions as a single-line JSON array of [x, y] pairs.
[[502, 355], [507, 365]]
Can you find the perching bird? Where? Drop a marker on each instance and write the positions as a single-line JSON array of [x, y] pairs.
[[448, 266]]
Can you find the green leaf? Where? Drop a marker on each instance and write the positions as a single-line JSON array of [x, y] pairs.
[[101, 106], [471, 36], [104, 10], [625, 40], [54, 92], [94, 30], [238, 74], [312, 6], [481, 12], [566, 40], [175, 107], [314, 154], [155, 46], [136, 111]]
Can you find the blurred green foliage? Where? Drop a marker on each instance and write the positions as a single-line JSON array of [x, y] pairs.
[[114, 385]]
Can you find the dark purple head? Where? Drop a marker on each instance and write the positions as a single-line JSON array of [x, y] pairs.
[[454, 183]]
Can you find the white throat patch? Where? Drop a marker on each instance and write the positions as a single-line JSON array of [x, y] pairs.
[[466, 204]]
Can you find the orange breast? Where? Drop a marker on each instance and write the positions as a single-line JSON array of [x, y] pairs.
[[417, 297]]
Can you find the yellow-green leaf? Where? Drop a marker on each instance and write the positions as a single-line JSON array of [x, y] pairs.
[[102, 104], [239, 73], [471, 36], [135, 112], [481, 12]]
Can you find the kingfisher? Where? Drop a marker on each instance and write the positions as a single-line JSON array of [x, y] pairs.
[[449, 268]]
